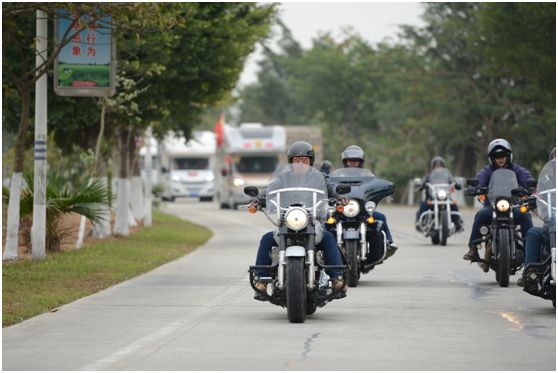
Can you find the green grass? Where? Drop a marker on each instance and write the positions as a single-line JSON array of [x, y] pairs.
[[30, 288], [98, 73]]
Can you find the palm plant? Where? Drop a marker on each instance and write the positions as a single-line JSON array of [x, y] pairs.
[[87, 200]]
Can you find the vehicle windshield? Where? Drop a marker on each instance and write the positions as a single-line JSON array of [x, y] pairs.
[[351, 172], [440, 175], [191, 164], [255, 164], [502, 182], [297, 184], [546, 185]]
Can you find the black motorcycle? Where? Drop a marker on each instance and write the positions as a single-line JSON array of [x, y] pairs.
[[359, 236], [542, 281], [503, 244], [296, 201]]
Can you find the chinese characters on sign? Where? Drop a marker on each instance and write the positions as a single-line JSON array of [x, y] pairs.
[[86, 64]]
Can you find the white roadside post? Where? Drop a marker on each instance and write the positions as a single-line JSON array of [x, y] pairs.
[[148, 170], [39, 189]]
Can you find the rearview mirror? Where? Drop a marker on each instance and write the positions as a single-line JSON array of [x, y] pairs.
[[252, 191], [343, 189]]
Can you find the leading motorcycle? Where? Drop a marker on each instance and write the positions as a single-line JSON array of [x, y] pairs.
[[296, 203], [359, 236], [503, 244]]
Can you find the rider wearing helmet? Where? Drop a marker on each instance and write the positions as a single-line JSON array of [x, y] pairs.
[[500, 155], [353, 156], [438, 163], [301, 155], [325, 168]]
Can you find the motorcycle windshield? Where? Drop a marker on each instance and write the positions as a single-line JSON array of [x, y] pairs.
[[546, 197], [364, 185], [297, 184], [502, 182], [351, 172], [440, 176]]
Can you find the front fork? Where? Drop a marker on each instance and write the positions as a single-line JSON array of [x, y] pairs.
[[362, 232]]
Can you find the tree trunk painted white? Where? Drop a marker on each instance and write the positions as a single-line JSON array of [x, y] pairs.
[[131, 221], [12, 229], [81, 232], [147, 220], [148, 171], [137, 198], [102, 229], [122, 209]]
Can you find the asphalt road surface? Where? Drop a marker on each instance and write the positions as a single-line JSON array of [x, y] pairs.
[[424, 309]]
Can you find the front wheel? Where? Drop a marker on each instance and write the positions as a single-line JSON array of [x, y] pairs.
[[296, 290], [503, 257], [352, 254], [444, 230]]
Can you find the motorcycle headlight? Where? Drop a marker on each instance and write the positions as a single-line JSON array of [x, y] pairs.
[[239, 182], [442, 195], [351, 209], [503, 205], [296, 218], [370, 206]]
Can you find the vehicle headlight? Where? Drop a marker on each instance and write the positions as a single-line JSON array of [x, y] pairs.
[[239, 182], [175, 178], [296, 218], [370, 206], [503, 205], [351, 209], [210, 177], [442, 195]]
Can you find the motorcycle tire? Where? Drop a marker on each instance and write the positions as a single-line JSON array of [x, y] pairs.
[[352, 254], [444, 231], [503, 258], [296, 290], [435, 238]]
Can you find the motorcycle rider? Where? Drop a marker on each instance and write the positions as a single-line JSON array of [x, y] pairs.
[[325, 168], [537, 239], [438, 163], [500, 155], [353, 156], [301, 153]]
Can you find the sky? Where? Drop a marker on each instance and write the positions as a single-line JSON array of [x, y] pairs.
[[374, 21]]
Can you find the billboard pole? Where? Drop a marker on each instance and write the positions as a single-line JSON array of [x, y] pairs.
[[39, 188]]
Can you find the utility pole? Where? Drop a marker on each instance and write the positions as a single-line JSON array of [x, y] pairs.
[[39, 188]]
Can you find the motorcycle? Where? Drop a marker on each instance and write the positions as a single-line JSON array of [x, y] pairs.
[[544, 273], [359, 236], [296, 202], [503, 244], [436, 222]]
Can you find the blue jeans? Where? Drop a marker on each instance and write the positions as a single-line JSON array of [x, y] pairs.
[[332, 255], [484, 217], [536, 241], [381, 217], [424, 206]]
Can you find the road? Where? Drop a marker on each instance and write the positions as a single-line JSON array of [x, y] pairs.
[[424, 309]]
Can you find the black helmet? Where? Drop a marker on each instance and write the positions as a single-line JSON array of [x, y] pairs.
[[437, 162], [498, 147], [301, 149], [353, 152]]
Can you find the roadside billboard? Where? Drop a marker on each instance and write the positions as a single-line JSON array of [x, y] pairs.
[[86, 65]]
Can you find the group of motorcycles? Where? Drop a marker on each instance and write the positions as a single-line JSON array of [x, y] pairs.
[[301, 212]]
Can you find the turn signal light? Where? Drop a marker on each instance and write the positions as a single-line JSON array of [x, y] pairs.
[[482, 198], [523, 209], [252, 209], [340, 208], [331, 220], [370, 220]]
